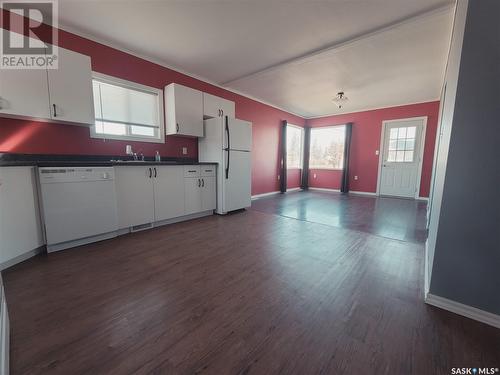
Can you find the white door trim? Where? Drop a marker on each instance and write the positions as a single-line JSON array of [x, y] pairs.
[[420, 155]]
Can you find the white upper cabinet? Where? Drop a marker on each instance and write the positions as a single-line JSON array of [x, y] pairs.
[[70, 89], [57, 95], [214, 106], [184, 110], [24, 93]]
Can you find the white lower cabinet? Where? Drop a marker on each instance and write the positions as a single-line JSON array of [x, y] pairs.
[[134, 196], [192, 187], [208, 193], [200, 187], [147, 194], [168, 192], [20, 223]]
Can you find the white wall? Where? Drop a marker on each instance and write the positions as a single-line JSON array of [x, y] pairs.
[[445, 123]]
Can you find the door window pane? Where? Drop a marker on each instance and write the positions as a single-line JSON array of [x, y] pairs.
[[409, 156], [401, 145]]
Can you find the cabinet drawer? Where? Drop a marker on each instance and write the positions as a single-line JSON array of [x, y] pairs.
[[207, 170], [191, 171]]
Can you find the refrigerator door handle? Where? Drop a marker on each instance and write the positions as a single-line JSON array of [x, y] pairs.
[[228, 147]]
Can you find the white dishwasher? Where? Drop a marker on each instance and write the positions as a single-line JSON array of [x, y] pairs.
[[78, 204]]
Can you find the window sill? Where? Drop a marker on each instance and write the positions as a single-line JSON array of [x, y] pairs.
[[126, 138], [326, 169]]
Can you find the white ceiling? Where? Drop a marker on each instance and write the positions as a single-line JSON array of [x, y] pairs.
[[292, 54]]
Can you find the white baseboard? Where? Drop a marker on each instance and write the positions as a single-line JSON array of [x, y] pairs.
[[293, 189], [325, 189], [422, 199], [257, 196], [21, 258], [362, 193], [464, 310], [80, 242]]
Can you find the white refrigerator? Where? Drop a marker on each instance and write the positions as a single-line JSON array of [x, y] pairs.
[[228, 142]]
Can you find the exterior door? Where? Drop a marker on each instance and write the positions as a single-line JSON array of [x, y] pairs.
[[400, 169]]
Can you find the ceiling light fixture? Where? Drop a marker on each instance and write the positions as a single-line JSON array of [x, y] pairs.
[[340, 99]]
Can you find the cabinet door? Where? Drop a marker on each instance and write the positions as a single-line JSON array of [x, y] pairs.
[[70, 89], [214, 106], [208, 193], [211, 106], [134, 196], [184, 109], [192, 197], [169, 192], [20, 224], [228, 108], [24, 93]]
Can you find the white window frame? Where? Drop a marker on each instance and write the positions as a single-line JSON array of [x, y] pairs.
[[310, 144], [301, 157], [135, 86]]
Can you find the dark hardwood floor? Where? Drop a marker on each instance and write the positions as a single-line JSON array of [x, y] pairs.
[[400, 219], [250, 293]]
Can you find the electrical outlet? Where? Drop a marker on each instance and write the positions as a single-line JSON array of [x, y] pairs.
[[279, 177], [184, 151], [314, 175], [356, 178], [377, 152]]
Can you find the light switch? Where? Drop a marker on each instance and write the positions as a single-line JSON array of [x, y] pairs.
[[184, 151], [278, 177], [314, 175]]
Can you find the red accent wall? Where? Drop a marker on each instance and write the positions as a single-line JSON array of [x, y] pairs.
[[22, 136], [366, 130]]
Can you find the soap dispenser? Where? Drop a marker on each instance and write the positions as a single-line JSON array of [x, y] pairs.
[[157, 156]]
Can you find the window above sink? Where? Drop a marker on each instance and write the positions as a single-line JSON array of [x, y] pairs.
[[126, 110]]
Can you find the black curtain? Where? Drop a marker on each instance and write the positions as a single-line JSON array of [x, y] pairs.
[[344, 188], [283, 157], [304, 182]]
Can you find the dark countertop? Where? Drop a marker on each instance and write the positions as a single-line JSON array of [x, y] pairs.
[[46, 160]]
